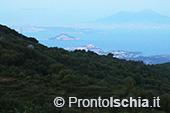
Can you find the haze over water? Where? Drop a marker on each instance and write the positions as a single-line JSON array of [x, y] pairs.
[[114, 25]]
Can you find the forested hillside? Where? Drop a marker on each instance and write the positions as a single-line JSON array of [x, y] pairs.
[[32, 75]]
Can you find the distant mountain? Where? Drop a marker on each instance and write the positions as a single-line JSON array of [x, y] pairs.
[[157, 59], [144, 17], [64, 37]]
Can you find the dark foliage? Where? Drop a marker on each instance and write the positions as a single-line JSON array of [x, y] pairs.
[[32, 75]]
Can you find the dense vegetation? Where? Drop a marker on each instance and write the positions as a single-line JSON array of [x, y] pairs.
[[32, 75]]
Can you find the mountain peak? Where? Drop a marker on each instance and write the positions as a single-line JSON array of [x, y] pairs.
[[143, 17], [64, 37], [141, 11]]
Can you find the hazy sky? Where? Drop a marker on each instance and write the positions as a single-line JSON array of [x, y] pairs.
[[60, 12]]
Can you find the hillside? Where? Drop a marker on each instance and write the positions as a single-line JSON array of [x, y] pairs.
[[32, 75]]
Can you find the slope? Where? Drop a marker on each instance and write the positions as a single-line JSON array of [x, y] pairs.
[[32, 75]]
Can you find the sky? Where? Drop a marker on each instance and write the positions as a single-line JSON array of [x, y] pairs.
[[63, 12]]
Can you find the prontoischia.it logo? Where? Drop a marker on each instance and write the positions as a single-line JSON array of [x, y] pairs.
[[111, 102]]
